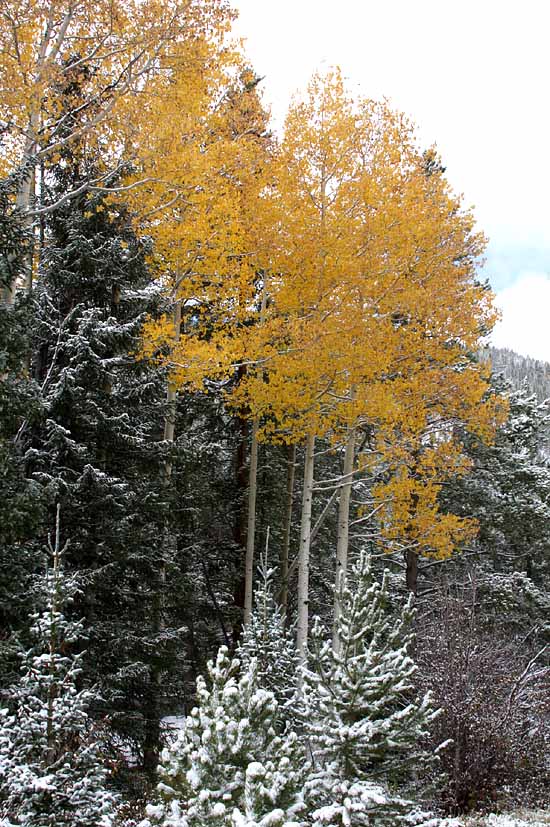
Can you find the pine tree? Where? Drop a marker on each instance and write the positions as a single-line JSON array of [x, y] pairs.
[[228, 766], [51, 771], [268, 640], [98, 447], [21, 503], [508, 492], [364, 721]]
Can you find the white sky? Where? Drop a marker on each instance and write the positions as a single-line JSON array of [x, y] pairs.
[[473, 75]]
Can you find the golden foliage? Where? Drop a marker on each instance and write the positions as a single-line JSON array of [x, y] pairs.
[[121, 49], [336, 270], [372, 287], [366, 263]]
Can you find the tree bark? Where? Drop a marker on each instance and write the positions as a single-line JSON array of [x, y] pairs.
[[305, 544], [343, 533], [240, 521], [411, 556], [411, 577], [151, 744], [251, 525], [252, 489], [283, 560]]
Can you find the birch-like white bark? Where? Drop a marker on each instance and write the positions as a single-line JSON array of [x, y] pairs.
[[252, 489], [284, 561], [251, 525], [302, 626], [343, 533]]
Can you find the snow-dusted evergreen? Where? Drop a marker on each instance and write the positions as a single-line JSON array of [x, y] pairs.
[[98, 447], [508, 492], [364, 720], [520, 371], [267, 639], [51, 767], [20, 501], [229, 766]]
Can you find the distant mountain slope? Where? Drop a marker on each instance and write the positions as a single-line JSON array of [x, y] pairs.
[[521, 370]]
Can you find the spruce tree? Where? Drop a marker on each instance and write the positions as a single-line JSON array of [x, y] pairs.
[[508, 492], [20, 500], [268, 640], [508, 489], [228, 766], [99, 448], [51, 770], [364, 721]]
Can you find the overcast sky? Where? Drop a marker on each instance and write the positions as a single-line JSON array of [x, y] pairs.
[[473, 75]]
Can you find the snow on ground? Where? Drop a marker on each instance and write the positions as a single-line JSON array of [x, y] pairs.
[[173, 722], [520, 818]]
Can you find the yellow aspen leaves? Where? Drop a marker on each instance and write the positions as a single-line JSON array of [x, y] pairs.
[[120, 48], [372, 265], [336, 258]]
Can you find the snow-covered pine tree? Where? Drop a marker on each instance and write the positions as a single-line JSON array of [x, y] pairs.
[[51, 770], [508, 488], [364, 720], [508, 492], [99, 447], [228, 766], [533, 375], [267, 639]]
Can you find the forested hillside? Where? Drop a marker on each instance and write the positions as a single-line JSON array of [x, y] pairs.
[[521, 371], [254, 473]]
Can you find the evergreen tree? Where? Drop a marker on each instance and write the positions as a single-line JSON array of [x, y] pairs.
[[51, 771], [20, 502], [228, 766], [267, 640], [508, 492], [520, 371], [98, 448], [364, 721]]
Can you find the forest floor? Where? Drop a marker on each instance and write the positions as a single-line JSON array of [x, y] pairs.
[[515, 818]]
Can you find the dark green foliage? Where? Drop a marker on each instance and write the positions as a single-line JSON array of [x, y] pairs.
[[98, 451], [267, 640], [508, 492], [52, 769], [13, 237], [365, 721], [20, 500]]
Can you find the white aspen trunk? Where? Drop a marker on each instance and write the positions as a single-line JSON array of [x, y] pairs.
[[251, 525], [291, 467], [343, 533], [171, 392], [303, 558], [47, 54], [252, 489], [23, 202], [152, 723]]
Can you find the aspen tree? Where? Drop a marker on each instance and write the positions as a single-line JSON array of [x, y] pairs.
[[210, 161], [284, 557], [123, 48], [375, 291], [252, 491], [343, 529]]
